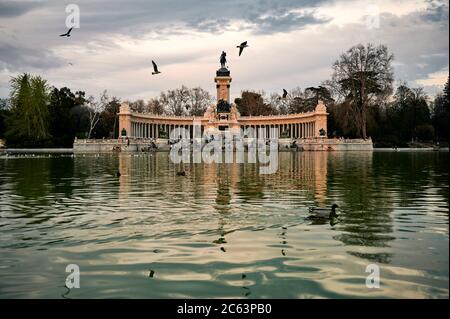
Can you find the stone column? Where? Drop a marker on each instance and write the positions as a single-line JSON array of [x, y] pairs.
[[125, 119], [223, 86], [320, 118]]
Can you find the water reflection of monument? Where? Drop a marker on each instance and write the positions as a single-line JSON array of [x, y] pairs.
[[305, 172]]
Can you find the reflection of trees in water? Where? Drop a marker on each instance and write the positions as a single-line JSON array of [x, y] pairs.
[[61, 173], [366, 186], [365, 206], [440, 175], [223, 197], [382, 258], [304, 172], [369, 186], [250, 186], [30, 180], [411, 174], [31, 177], [34, 179]]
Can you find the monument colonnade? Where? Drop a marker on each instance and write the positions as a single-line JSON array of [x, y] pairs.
[[293, 126]]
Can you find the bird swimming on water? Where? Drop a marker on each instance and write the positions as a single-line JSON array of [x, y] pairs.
[[319, 212], [182, 173]]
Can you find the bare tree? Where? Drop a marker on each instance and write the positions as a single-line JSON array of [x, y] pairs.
[[154, 106], [95, 108], [278, 103], [198, 100], [185, 101], [138, 106], [362, 75], [175, 101]]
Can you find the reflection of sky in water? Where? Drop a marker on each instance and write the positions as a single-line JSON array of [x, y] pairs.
[[224, 230]]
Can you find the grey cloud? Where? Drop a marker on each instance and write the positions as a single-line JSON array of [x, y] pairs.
[[437, 11], [286, 22], [20, 59], [213, 25], [419, 40], [14, 8], [200, 15]]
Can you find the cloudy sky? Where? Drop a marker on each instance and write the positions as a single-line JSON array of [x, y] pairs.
[[292, 42]]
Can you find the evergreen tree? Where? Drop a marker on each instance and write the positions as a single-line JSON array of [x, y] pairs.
[[440, 114], [28, 123]]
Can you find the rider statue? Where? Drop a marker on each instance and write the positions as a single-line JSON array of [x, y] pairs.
[[223, 59]]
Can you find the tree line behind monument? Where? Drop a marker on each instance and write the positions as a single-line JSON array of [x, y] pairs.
[[360, 98]]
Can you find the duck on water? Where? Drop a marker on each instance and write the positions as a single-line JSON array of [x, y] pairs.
[[323, 213]]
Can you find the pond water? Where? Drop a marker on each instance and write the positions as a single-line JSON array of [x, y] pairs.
[[224, 230]]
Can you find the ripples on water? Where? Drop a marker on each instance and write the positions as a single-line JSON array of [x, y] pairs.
[[224, 230]]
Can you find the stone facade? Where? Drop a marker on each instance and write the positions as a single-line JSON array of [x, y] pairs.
[[224, 116]]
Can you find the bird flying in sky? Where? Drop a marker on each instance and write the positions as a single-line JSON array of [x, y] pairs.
[[285, 93], [67, 34], [155, 68], [241, 47]]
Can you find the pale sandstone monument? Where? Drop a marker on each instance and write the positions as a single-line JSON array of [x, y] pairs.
[[307, 131], [224, 116]]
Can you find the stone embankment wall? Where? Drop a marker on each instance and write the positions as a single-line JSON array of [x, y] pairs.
[[139, 145]]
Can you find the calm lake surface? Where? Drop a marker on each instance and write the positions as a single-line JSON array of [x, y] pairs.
[[224, 230]]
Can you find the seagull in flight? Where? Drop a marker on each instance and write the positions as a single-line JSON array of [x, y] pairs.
[[155, 68], [70, 63], [67, 34], [241, 47], [285, 93]]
